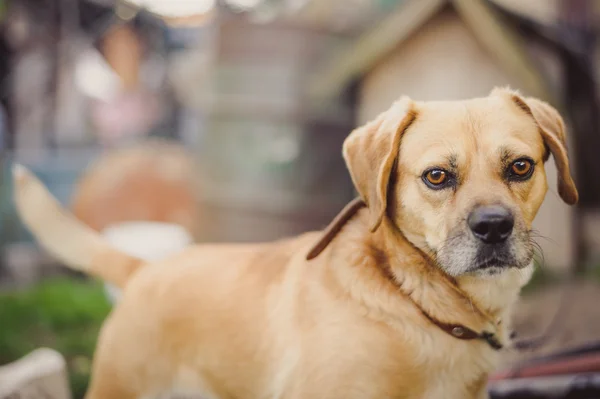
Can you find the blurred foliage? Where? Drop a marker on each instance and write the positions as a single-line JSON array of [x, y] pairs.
[[541, 277], [593, 271], [63, 314]]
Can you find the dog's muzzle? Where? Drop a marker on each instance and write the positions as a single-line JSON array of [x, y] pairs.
[[492, 226]]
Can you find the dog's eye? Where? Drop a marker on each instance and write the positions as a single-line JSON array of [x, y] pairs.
[[521, 169], [436, 178]]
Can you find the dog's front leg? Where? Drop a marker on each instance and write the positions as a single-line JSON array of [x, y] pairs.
[[483, 392]]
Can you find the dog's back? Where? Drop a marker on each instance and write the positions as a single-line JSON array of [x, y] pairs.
[[178, 310], [231, 309]]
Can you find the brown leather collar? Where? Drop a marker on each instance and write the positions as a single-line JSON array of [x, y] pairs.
[[458, 331], [461, 332], [335, 226]]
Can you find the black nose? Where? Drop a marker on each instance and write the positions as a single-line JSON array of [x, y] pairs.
[[491, 224]]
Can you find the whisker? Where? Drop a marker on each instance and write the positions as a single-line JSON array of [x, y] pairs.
[[536, 234], [537, 249]]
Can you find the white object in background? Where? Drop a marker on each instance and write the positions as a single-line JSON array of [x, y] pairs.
[[151, 241], [40, 374], [95, 77], [175, 8]]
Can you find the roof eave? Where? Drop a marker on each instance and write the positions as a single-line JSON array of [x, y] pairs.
[[358, 57]]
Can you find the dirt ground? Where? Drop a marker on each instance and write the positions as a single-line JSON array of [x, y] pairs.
[[578, 321]]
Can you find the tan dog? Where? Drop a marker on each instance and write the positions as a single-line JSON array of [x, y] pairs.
[[410, 299]]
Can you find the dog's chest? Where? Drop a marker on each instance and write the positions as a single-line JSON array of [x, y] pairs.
[[457, 368], [442, 366], [428, 365]]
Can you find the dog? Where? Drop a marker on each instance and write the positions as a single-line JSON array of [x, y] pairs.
[[407, 294]]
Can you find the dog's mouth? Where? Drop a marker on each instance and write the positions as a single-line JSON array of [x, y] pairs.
[[494, 259], [462, 254], [494, 256]]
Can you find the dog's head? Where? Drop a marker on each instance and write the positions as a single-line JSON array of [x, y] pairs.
[[462, 180]]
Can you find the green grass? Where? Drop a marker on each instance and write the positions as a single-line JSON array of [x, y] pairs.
[[592, 271], [541, 278], [64, 314]]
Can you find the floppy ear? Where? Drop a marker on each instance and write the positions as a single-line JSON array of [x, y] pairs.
[[371, 151], [552, 129]]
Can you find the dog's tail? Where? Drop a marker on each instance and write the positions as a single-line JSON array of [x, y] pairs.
[[66, 238]]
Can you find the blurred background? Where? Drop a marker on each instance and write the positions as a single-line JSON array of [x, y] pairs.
[[178, 121]]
